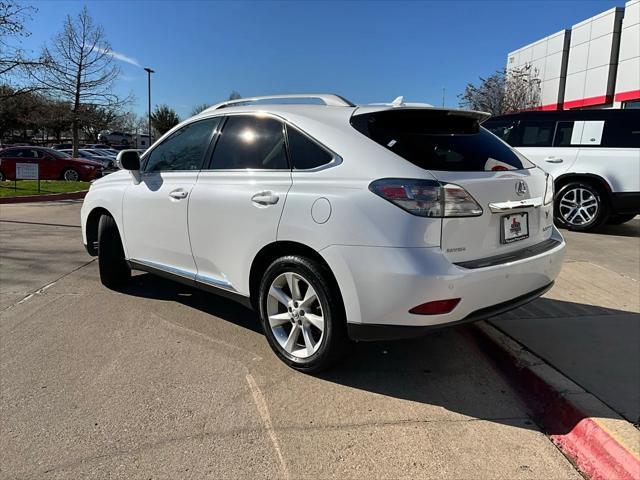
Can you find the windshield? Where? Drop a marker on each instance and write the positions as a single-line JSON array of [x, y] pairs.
[[439, 140]]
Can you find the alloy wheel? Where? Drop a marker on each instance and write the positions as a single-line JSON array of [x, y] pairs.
[[71, 176], [295, 315], [578, 206]]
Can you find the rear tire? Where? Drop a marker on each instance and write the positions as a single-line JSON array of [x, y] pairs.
[[114, 269], [2, 177], [302, 314], [580, 206]]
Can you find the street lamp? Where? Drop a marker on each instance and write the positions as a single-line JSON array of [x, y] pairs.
[[149, 72]]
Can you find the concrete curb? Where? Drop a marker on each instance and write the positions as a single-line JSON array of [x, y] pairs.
[[44, 198], [602, 444]]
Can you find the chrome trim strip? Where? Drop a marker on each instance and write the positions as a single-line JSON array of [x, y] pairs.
[[215, 282], [500, 207], [166, 268]]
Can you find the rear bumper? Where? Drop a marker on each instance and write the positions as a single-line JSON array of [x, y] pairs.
[[379, 285], [371, 333], [625, 203]]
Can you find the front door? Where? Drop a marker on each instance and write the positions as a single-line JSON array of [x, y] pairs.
[[237, 202], [155, 209]]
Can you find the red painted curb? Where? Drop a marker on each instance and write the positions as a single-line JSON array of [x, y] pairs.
[[44, 198], [592, 449]]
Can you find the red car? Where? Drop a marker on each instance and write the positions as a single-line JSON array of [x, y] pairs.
[[53, 165]]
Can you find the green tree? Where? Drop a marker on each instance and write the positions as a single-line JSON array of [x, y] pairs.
[[163, 119], [199, 108]]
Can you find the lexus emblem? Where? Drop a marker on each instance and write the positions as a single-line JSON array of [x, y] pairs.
[[521, 188]]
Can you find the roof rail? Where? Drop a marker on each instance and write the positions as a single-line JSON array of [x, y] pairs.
[[329, 99]]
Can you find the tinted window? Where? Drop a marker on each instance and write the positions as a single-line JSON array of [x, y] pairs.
[[184, 149], [305, 153], [564, 130], [502, 129], [436, 140], [25, 153], [248, 141], [536, 134], [621, 132]]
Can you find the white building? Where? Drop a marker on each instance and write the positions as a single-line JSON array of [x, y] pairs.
[[595, 64]]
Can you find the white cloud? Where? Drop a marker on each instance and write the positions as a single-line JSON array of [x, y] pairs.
[[122, 57]]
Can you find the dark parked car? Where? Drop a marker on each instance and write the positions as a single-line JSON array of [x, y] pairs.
[[53, 165]]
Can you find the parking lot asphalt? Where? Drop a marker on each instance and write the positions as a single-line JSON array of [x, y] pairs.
[[162, 381]]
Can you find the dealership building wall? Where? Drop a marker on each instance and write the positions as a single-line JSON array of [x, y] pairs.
[[595, 64]]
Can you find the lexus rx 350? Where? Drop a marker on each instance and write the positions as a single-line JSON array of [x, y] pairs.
[[335, 222]]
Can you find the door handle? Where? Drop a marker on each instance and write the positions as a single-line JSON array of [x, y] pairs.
[[553, 160], [265, 198], [179, 194]]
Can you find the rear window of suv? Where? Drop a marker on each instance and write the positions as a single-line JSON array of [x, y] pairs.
[[439, 140]]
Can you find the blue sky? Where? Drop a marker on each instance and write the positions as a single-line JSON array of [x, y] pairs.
[[365, 51]]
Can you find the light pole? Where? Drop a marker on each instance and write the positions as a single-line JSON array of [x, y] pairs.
[[149, 72]]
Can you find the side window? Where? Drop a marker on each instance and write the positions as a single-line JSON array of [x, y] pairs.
[[305, 153], [504, 130], [184, 149], [249, 141], [537, 133], [564, 132], [622, 132]]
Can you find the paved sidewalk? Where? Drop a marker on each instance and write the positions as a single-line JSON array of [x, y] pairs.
[[588, 325]]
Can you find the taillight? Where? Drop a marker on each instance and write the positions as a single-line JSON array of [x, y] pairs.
[[549, 190], [427, 198]]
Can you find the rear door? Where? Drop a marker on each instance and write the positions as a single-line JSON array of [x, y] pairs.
[[549, 144], [237, 202]]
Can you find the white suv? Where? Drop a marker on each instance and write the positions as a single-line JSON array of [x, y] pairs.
[[593, 155], [334, 221]]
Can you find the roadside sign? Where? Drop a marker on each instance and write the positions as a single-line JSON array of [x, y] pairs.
[[27, 171]]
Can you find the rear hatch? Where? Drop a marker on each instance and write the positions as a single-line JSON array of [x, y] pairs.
[[456, 150]]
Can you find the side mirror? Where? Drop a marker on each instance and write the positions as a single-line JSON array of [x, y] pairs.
[[129, 160]]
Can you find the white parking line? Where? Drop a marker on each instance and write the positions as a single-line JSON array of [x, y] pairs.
[[263, 410]]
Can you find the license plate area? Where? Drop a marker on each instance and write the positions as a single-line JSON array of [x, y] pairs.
[[514, 227]]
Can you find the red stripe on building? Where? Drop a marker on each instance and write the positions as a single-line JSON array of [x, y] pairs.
[[630, 95], [586, 102]]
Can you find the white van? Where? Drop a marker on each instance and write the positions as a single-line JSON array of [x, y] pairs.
[[594, 156]]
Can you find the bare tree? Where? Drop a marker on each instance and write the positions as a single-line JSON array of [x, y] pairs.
[[80, 69], [234, 95], [505, 91], [14, 64]]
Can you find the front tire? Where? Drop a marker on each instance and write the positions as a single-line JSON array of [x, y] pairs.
[[114, 269], [302, 314], [580, 206]]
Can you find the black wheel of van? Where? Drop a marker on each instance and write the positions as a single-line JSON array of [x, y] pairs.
[[114, 269], [302, 314], [620, 219], [2, 176], [580, 206]]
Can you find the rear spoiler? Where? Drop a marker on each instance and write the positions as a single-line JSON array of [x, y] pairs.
[[473, 114]]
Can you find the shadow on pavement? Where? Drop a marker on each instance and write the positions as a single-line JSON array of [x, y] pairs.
[[594, 346], [151, 286], [629, 229], [447, 369]]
